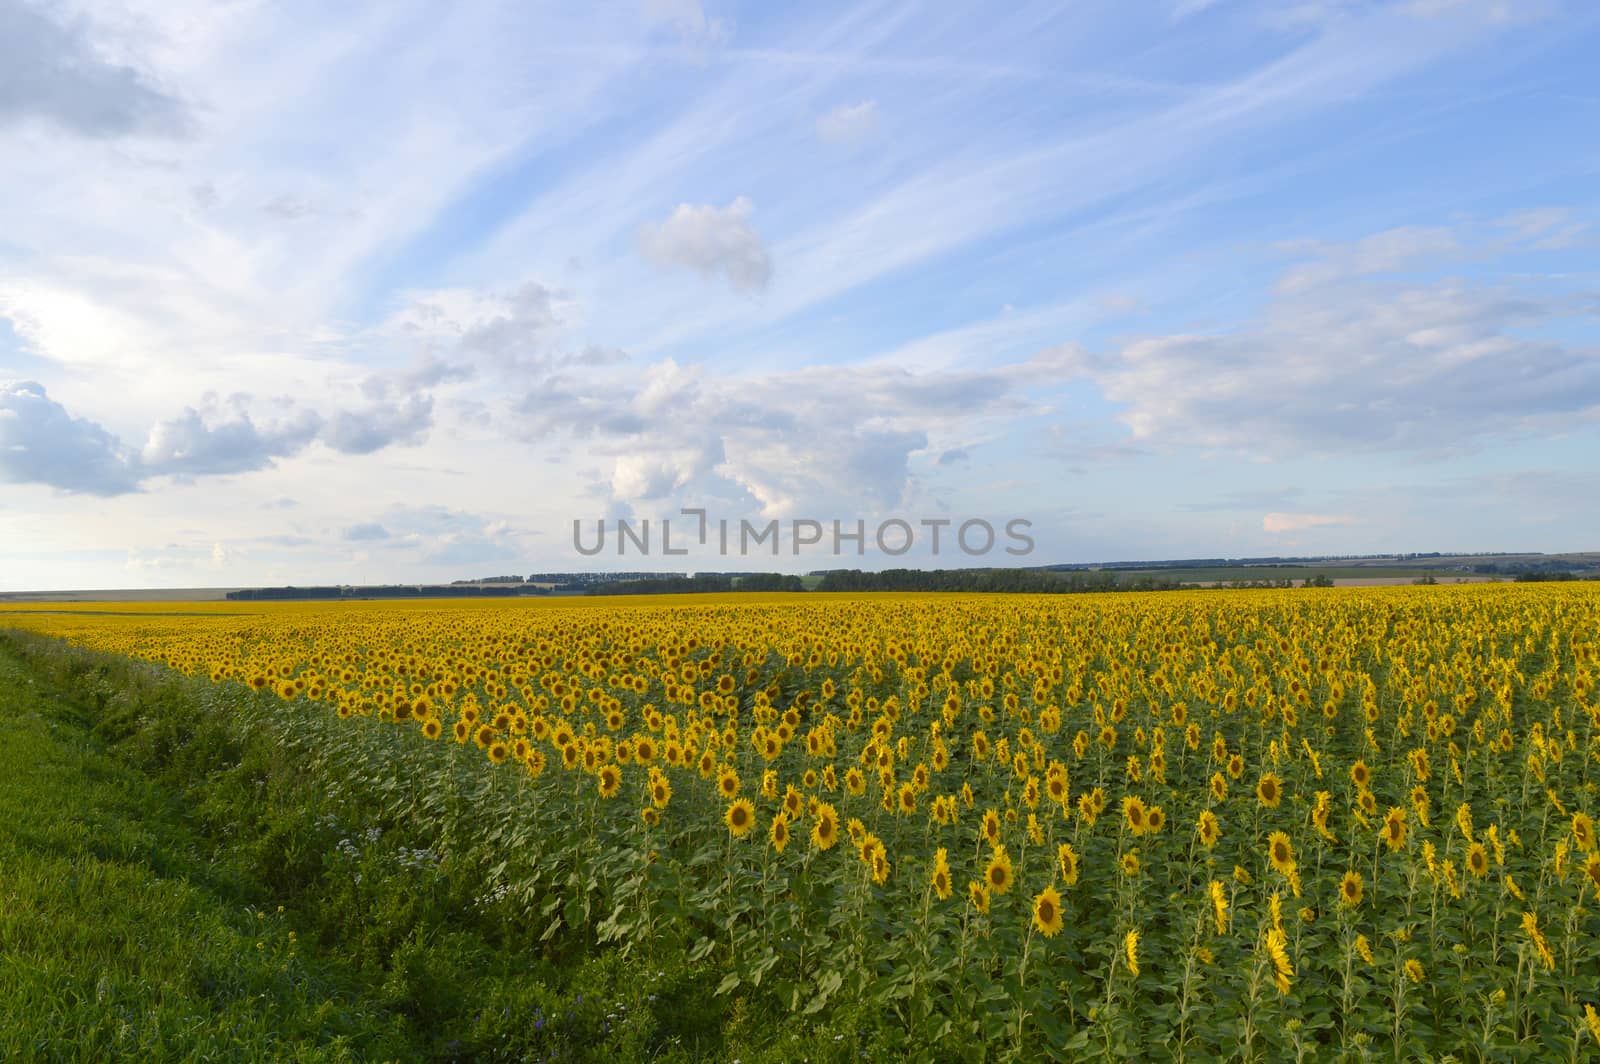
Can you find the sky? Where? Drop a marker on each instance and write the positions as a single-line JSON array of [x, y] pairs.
[[363, 293]]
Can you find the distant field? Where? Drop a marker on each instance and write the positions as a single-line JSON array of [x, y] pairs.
[[178, 594], [1228, 573]]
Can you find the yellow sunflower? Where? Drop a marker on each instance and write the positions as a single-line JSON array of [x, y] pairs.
[[1047, 912], [740, 817]]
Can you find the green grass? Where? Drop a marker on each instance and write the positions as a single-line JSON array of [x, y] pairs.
[[152, 825], [118, 940]]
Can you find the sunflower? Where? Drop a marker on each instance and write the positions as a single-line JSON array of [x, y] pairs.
[[1219, 905], [1236, 765], [1130, 951], [1478, 860], [907, 803], [1583, 832], [825, 826], [660, 791], [727, 780], [432, 728], [740, 817], [498, 752], [1067, 862], [1047, 912], [779, 832], [1415, 971], [650, 815], [1278, 953], [999, 875], [1269, 790], [1130, 864], [1364, 948], [1320, 812], [1351, 888], [1280, 852], [609, 781], [1464, 820], [1394, 828], [1155, 820], [1530, 925], [1360, 775], [1219, 786], [991, 827], [1210, 830], [855, 782], [978, 895], [941, 873], [1133, 811]]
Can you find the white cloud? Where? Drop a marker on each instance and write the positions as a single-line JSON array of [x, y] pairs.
[[40, 443], [1390, 251], [849, 123], [1347, 363], [188, 446], [712, 240], [688, 19], [53, 72], [380, 425], [1544, 228]]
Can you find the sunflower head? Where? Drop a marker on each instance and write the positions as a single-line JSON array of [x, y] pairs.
[[740, 817], [1047, 912]]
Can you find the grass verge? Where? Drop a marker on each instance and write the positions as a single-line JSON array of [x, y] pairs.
[[191, 871]]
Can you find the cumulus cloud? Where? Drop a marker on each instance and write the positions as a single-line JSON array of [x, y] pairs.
[[1280, 523], [380, 425], [1350, 362], [518, 330], [427, 373], [51, 71], [849, 123], [711, 241], [188, 445], [40, 443], [808, 439]]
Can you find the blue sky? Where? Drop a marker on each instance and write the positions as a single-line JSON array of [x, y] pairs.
[[293, 292]]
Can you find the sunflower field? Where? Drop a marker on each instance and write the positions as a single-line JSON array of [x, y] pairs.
[[1325, 824]]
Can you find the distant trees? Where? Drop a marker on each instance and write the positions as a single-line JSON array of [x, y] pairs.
[[1033, 581], [705, 583]]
